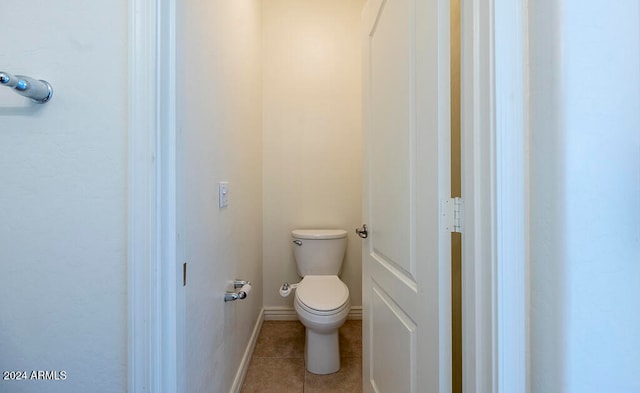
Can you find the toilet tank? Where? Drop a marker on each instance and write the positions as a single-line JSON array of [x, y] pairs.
[[319, 251]]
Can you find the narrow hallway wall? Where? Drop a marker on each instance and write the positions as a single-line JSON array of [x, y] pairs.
[[585, 196], [312, 133], [219, 139], [63, 197]]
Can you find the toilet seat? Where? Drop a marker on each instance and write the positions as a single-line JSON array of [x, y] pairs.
[[322, 295], [301, 307]]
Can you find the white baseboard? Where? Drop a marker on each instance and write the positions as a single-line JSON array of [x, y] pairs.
[[289, 313], [248, 353], [355, 313]]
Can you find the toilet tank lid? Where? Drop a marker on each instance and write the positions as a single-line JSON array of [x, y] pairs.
[[318, 233]]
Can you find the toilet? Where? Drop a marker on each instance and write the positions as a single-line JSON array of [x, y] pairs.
[[321, 298]]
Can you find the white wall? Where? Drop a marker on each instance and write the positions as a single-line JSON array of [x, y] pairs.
[[585, 201], [312, 132], [220, 139], [63, 197]]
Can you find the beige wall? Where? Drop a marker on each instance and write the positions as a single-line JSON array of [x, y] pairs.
[[311, 132], [220, 132]]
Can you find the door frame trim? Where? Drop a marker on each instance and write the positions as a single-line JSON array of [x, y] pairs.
[[495, 189], [154, 331], [154, 334]]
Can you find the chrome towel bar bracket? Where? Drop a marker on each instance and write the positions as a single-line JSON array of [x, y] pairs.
[[37, 90]]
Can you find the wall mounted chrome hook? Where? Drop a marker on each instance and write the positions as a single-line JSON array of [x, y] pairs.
[[37, 90]]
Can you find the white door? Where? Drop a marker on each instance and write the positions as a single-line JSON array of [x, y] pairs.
[[406, 258]]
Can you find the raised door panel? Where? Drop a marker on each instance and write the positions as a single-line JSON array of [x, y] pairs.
[[405, 317]]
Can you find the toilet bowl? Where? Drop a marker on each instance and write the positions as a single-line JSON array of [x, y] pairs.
[[321, 299], [322, 304]]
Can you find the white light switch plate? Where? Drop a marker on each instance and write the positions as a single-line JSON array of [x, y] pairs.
[[223, 194]]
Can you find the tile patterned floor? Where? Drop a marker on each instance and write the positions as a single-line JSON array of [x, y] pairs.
[[278, 361]]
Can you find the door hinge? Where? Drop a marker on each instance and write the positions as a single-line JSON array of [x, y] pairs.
[[451, 215]]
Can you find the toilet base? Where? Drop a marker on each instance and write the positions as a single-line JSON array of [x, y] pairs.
[[322, 352]]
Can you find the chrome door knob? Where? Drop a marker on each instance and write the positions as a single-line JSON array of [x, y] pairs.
[[363, 232]]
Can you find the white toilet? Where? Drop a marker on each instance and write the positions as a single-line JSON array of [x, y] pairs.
[[321, 299]]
